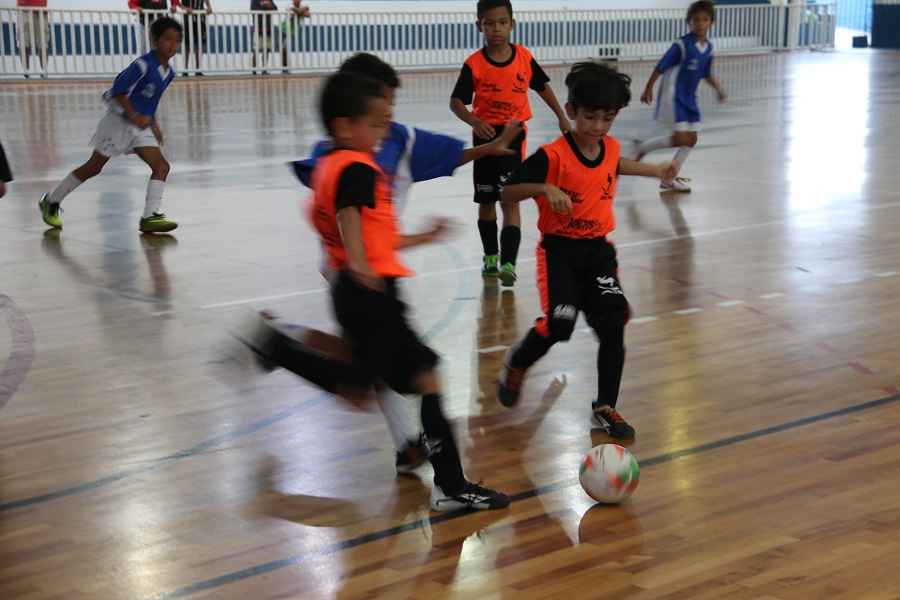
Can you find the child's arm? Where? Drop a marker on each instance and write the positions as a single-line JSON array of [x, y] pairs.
[[558, 200], [157, 132], [439, 229], [717, 85], [647, 96], [499, 147], [350, 225], [356, 191], [671, 58], [549, 97], [663, 171], [540, 83], [463, 93], [142, 121]]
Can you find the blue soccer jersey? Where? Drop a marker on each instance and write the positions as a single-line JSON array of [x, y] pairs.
[[406, 155], [144, 82], [684, 66]]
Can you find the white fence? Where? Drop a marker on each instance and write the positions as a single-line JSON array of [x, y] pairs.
[[65, 43]]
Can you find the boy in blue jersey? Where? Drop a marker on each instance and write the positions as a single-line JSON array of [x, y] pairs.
[[406, 155], [130, 127], [682, 68]]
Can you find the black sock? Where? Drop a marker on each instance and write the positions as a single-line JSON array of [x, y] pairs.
[[530, 350], [610, 363], [510, 237], [488, 231], [444, 456]]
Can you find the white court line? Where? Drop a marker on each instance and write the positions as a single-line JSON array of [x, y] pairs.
[[530, 260], [263, 298], [729, 303], [491, 349], [687, 311], [772, 296], [639, 320], [886, 274]]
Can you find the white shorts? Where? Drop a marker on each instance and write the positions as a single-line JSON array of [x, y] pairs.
[[686, 126], [116, 135]]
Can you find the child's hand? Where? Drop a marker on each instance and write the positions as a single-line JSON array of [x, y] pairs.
[[483, 130], [559, 201], [501, 146], [441, 229], [141, 121], [647, 96], [157, 133], [364, 276], [668, 171], [564, 125], [723, 97]]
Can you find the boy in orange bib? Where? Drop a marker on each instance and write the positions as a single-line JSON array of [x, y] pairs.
[[495, 81], [574, 183]]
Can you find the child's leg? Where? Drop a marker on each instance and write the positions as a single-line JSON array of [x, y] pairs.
[[559, 298], [444, 454], [487, 229], [654, 144], [511, 235], [607, 312], [395, 409], [685, 142], [159, 167], [89, 169]]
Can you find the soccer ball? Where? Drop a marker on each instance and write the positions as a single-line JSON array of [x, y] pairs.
[[609, 473]]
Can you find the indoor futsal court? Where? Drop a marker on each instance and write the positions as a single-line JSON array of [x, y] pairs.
[[145, 456]]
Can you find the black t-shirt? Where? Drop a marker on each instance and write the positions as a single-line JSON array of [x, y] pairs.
[[356, 187]]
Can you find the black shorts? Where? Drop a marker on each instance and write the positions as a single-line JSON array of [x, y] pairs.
[[491, 172], [381, 339], [580, 276]]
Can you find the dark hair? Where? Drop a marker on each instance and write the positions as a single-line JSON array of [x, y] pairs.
[[369, 65], [701, 6], [596, 86], [162, 25], [346, 95], [486, 5]]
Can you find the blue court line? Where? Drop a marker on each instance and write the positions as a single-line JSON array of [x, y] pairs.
[[454, 309], [268, 567], [21, 353]]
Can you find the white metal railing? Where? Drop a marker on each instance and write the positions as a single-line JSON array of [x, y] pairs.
[[76, 43]]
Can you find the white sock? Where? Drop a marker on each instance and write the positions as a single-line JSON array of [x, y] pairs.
[[682, 155], [655, 144], [65, 187], [154, 197], [397, 414]]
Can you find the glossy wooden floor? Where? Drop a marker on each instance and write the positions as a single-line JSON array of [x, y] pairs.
[[142, 457]]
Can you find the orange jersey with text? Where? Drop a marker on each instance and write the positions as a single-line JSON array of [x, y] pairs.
[[501, 92], [590, 184], [378, 220]]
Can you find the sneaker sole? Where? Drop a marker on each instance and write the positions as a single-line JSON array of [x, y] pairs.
[[508, 280], [165, 229], [453, 505]]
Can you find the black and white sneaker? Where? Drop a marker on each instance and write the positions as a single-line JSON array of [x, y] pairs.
[[607, 418], [256, 332], [412, 456], [470, 497]]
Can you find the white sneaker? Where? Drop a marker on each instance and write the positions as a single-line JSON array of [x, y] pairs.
[[679, 184]]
